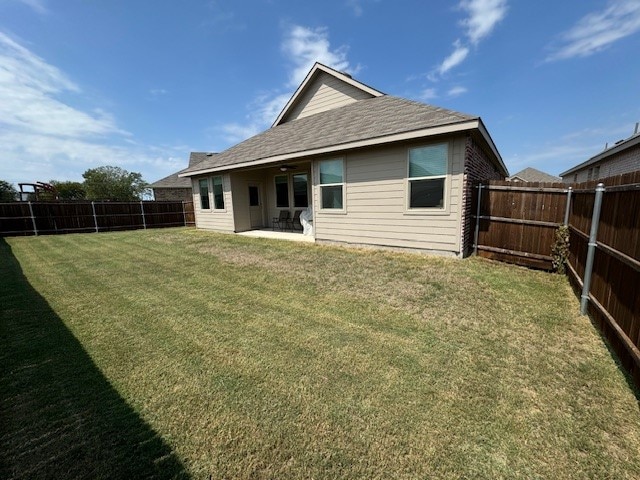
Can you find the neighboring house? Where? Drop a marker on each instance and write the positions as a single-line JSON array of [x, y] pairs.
[[533, 175], [622, 157], [175, 188], [377, 169]]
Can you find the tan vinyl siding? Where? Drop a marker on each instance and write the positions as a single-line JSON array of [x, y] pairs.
[[240, 182], [376, 203], [220, 220], [326, 93]]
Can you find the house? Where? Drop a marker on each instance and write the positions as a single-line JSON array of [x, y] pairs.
[[622, 157], [376, 169], [175, 188], [533, 175]]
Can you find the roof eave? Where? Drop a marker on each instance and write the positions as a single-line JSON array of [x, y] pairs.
[[487, 138], [628, 143], [370, 142]]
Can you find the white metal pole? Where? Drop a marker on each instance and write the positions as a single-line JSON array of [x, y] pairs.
[[95, 218], [591, 251], [144, 222], [33, 220], [477, 232]]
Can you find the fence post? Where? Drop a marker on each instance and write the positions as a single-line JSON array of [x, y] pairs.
[[33, 220], [566, 212], [477, 232], [593, 238], [95, 219], [184, 214], [144, 222]]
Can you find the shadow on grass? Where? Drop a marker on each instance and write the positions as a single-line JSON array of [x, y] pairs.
[[59, 416]]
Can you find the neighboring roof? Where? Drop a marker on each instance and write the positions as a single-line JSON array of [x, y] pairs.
[[530, 174], [366, 122], [174, 181], [316, 70], [616, 148]]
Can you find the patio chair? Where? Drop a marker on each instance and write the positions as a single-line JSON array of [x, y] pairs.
[[294, 223], [281, 220]]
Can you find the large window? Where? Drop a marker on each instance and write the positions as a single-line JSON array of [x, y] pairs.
[[282, 191], [300, 188], [427, 176], [204, 194], [331, 184], [218, 193]]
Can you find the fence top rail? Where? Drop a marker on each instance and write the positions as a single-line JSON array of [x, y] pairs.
[[523, 189], [613, 188]]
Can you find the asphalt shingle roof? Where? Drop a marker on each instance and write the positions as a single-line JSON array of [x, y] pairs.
[[533, 175], [362, 120], [173, 181]]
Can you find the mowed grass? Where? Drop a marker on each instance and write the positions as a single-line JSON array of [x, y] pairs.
[[183, 353]]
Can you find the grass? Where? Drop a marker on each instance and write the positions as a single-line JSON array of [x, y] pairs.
[[182, 353]]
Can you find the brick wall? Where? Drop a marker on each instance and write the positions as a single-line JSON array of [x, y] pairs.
[[626, 161], [477, 167], [173, 194]]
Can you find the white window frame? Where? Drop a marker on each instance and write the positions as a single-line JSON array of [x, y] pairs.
[[342, 184], [445, 209]]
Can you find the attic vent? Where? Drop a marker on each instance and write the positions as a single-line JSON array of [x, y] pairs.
[[209, 154], [346, 74], [618, 142]]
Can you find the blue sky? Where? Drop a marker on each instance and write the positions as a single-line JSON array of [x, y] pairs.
[[140, 84]]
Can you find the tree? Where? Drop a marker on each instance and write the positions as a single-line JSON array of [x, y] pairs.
[[69, 190], [8, 193], [113, 183]]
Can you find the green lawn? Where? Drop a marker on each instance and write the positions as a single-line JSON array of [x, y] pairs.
[[182, 353]]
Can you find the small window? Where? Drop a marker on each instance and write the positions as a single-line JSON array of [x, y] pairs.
[[282, 191], [254, 196], [589, 174], [427, 174], [218, 193], [596, 172], [300, 190], [204, 194], [332, 184], [575, 177]]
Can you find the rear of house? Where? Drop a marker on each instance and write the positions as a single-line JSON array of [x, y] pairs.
[[370, 168]]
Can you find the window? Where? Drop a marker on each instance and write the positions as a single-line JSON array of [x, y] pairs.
[[282, 191], [427, 174], [589, 174], [218, 193], [331, 184], [575, 177], [300, 188], [596, 172], [204, 194]]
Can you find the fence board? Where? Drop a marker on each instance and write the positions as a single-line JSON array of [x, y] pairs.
[[517, 226], [75, 217]]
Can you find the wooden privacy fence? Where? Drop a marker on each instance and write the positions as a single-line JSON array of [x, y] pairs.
[[516, 223], [49, 218]]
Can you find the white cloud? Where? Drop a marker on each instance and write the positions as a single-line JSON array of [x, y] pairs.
[[428, 94], [458, 55], [456, 91], [356, 6], [38, 6], [597, 31], [156, 92], [304, 46], [43, 138], [483, 16]]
